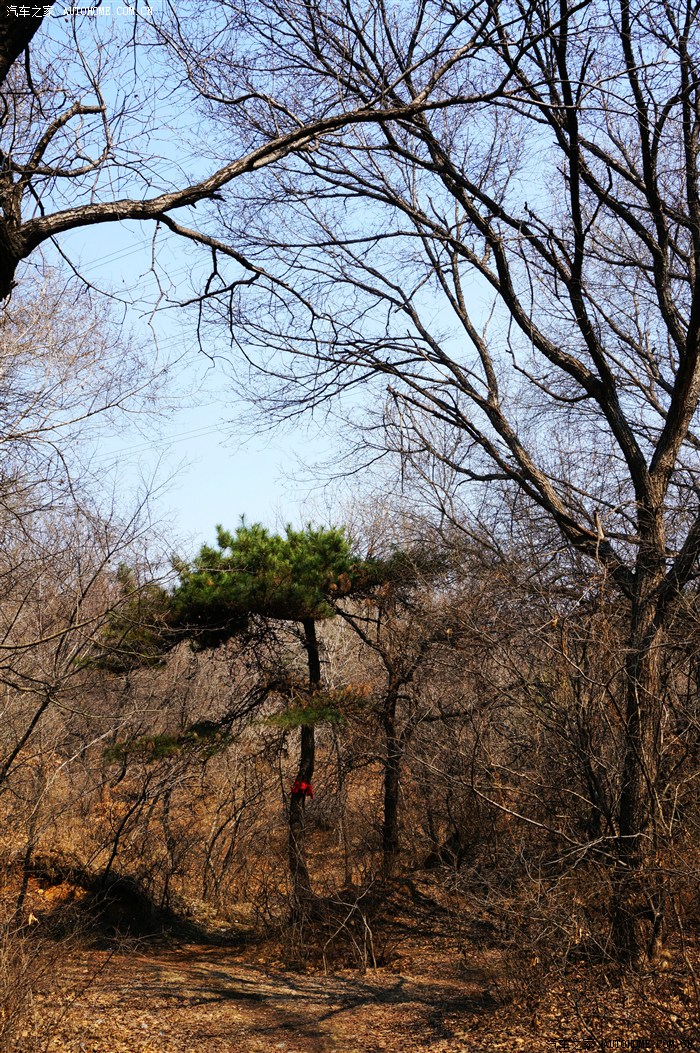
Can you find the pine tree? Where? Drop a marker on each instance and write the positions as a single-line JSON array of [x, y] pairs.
[[254, 572]]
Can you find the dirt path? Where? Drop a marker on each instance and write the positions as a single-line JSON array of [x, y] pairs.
[[204, 1000]]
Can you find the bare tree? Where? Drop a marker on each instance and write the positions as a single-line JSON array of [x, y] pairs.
[[79, 115], [401, 628], [68, 370], [64, 372], [519, 263]]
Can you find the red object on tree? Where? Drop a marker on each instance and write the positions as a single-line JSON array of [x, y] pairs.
[[303, 789]]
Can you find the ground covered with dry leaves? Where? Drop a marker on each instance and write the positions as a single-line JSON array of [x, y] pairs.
[[436, 993]]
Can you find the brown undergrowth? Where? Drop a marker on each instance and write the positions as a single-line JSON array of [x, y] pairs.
[[397, 965]]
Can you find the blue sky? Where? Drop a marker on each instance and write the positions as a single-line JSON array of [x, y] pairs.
[[203, 463]]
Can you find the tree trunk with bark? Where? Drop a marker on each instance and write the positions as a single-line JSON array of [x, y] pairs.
[[392, 774], [298, 866], [639, 894]]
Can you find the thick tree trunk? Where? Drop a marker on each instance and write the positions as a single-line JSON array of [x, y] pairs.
[[637, 913], [298, 867], [392, 773]]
